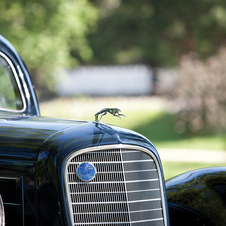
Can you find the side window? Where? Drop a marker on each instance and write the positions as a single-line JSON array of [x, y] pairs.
[[10, 98]]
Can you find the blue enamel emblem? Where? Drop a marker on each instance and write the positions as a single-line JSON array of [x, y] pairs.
[[86, 171]]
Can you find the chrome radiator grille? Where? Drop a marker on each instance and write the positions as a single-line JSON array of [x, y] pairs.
[[125, 191]]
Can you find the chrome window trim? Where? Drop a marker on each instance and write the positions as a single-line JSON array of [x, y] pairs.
[[2, 212], [106, 147], [18, 85]]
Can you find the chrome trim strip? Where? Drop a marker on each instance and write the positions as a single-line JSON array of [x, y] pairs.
[[109, 147], [145, 200], [10, 178], [24, 83], [11, 204], [156, 219], [134, 191], [75, 163], [135, 171], [134, 201], [100, 223], [137, 211], [139, 171], [18, 84], [104, 192], [148, 210], [2, 212], [115, 182], [127, 199], [135, 222]]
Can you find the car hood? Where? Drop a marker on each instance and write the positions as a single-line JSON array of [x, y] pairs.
[[21, 137]]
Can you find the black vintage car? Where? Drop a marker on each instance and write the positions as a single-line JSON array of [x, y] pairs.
[[64, 172]]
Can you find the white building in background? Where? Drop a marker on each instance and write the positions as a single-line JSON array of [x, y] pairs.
[[106, 81]]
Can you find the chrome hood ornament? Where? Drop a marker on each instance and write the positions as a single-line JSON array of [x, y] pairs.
[[113, 111]]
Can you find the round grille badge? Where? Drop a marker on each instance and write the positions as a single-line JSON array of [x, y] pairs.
[[86, 171]]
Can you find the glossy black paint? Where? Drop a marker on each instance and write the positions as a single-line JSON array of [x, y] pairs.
[[183, 216], [56, 149], [202, 192], [20, 140], [35, 148]]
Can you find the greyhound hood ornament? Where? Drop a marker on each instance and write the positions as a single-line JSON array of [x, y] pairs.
[[113, 111]]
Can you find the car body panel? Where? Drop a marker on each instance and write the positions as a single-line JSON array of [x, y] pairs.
[[35, 148], [22, 136], [56, 149], [202, 191]]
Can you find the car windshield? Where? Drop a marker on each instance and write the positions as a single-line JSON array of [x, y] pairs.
[[10, 98]]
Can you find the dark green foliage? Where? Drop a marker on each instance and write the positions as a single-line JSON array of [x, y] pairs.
[[157, 32], [44, 32], [53, 33]]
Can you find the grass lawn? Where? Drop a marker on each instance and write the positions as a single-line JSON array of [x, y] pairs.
[[172, 169], [160, 130]]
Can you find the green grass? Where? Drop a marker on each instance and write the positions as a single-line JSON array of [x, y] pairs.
[[160, 130], [172, 169]]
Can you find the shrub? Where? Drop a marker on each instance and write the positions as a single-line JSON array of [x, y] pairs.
[[200, 95]]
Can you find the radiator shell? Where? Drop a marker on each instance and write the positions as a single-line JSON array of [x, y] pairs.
[[127, 189]]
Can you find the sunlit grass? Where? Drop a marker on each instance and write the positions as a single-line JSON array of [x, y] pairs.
[[199, 142], [172, 169], [138, 110]]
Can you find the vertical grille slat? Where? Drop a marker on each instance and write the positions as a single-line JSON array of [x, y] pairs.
[[125, 191]]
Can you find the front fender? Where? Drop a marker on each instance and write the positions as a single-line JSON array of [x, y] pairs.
[[201, 194]]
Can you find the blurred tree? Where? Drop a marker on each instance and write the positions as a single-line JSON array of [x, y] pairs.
[[44, 32], [157, 32], [199, 97]]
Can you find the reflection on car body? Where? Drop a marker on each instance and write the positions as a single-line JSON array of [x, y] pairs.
[[65, 172]]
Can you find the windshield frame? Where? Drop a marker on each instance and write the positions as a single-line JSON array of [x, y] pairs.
[[15, 74]]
